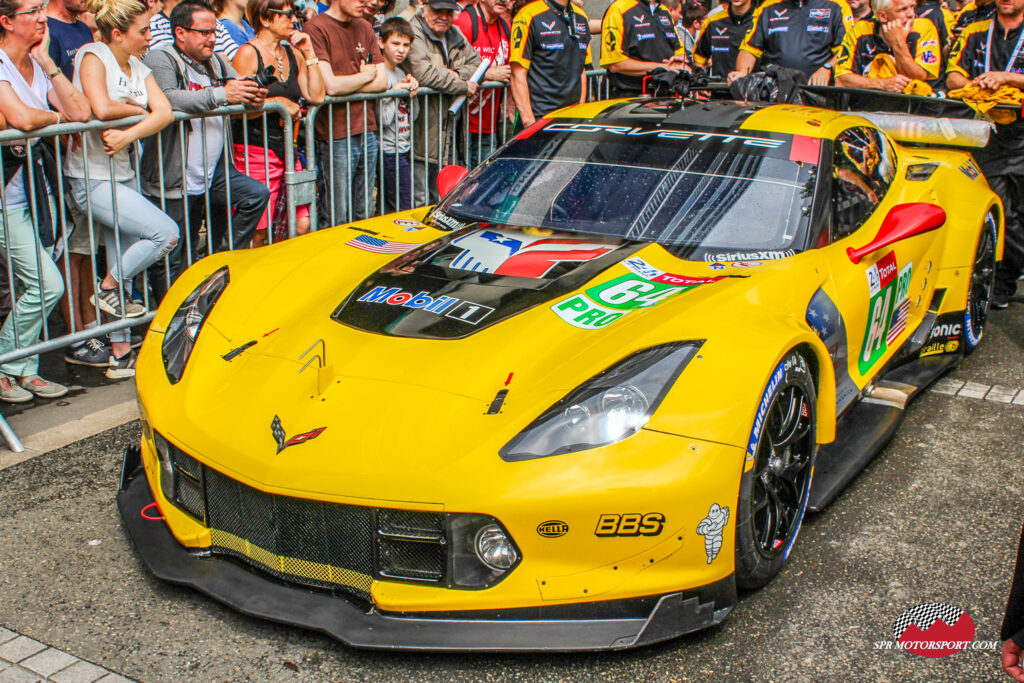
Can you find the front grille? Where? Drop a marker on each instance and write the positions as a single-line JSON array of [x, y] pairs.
[[324, 545]]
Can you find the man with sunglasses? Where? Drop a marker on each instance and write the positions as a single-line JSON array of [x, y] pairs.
[[196, 80], [161, 33]]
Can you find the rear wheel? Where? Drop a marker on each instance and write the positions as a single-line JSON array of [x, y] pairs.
[[774, 492], [982, 284]]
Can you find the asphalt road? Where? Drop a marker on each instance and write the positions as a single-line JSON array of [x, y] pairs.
[[935, 518]]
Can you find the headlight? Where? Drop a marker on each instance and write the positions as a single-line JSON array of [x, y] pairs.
[[607, 408], [188, 321], [481, 553], [495, 549]]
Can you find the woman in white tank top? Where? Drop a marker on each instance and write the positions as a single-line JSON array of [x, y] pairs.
[[136, 233]]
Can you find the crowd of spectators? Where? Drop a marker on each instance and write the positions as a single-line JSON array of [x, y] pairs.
[[215, 183]]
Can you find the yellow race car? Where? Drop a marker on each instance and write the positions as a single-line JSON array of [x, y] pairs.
[[577, 404]]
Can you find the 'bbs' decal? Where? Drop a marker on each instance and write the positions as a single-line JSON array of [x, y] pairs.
[[630, 524]]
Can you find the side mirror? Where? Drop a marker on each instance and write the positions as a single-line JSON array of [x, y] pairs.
[[903, 221], [448, 177]]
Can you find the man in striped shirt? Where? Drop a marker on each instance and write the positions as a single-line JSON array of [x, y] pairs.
[[160, 32]]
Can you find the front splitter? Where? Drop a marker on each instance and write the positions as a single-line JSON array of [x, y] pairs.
[[250, 593]]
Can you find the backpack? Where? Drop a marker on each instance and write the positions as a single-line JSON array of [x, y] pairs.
[[474, 23]]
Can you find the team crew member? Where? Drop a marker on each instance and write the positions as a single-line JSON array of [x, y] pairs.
[[943, 21], [990, 55], [861, 9], [719, 40], [550, 48], [977, 10], [796, 34], [890, 51], [637, 37]]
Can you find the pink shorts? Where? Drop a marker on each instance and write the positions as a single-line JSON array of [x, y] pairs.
[[275, 181]]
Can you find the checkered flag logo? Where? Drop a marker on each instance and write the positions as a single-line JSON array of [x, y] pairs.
[[924, 616], [282, 439], [279, 435]]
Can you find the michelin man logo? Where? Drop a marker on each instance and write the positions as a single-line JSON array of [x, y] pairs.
[[711, 528]]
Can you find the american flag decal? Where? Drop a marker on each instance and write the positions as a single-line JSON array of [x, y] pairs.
[[282, 439], [379, 246], [899, 321]]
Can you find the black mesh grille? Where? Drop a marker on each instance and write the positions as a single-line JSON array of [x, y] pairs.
[[325, 545], [411, 559]]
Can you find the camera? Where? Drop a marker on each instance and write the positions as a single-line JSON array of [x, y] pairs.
[[264, 78]]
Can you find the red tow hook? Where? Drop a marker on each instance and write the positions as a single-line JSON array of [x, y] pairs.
[[152, 519]]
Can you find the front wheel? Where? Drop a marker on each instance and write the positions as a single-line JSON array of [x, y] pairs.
[[774, 491]]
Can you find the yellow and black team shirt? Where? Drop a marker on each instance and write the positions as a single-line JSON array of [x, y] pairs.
[[635, 29], [720, 38], [799, 34], [970, 57], [553, 44], [970, 13], [941, 18], [864, 50]]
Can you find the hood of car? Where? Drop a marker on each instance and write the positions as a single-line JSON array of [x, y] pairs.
[[298, 336], [475, 278]]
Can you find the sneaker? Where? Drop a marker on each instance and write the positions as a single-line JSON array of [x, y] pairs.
[[41, 387], [92, 353], [123, 367], [11, 392], [1001, 297], [110, 302]]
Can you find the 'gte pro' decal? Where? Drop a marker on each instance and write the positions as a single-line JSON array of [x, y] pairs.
[[888, 308], [517, 254], [605, 303]]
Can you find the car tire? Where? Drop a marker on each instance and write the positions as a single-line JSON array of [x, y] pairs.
[[774, 491], [982, 284]]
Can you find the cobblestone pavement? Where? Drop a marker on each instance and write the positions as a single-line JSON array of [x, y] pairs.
[[935, 518], [23, 660]]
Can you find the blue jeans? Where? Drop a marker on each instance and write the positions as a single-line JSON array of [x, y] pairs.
[[228, 227], [34, 268], [348, 169], [397, 182]]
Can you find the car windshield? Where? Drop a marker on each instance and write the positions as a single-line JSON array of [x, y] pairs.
[[691, 191]]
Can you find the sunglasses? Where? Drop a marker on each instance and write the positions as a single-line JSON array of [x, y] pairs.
[[290, 13], [33, 12]]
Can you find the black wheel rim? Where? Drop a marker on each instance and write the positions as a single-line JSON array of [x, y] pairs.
[[782, 471], [983, 278]]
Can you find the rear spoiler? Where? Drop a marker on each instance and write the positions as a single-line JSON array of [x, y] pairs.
[[930, 130]]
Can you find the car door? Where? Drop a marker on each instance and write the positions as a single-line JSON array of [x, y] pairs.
[[885, 295]]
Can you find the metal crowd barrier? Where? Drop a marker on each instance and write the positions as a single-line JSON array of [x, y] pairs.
[[468, 149], [299, 187], [65, 138]]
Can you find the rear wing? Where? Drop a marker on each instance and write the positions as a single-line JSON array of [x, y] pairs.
[[929, 130]]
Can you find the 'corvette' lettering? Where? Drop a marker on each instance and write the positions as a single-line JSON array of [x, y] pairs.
[[670, 134]]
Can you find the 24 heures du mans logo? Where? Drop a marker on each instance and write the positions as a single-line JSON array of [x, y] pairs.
[[934, 629]]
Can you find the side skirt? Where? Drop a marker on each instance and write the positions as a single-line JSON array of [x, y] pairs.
[[869, 424]]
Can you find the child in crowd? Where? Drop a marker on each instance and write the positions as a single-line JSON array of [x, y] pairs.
[[397, 115]]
